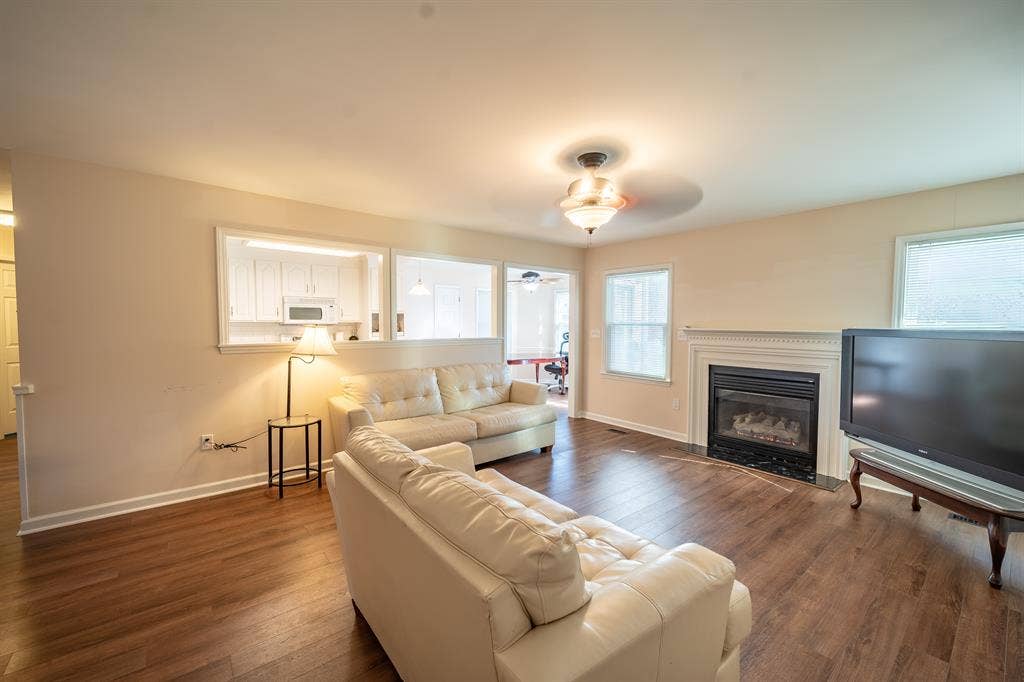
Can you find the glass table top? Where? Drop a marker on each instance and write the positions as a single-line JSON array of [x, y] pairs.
[[293, 421]]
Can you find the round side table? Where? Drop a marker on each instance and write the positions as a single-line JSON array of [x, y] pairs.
[[281, 425]]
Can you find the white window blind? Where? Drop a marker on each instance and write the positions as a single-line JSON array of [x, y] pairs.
[[636, 323], [971, 282]]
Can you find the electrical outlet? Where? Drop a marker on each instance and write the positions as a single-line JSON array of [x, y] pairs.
[[206, 441], [675, 403]]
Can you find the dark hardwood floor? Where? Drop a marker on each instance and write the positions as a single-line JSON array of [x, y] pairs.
[[246, 586]]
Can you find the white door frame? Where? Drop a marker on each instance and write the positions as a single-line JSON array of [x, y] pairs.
[[575, 311]]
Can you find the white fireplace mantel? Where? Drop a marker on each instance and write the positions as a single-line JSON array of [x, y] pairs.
[[817, 352]]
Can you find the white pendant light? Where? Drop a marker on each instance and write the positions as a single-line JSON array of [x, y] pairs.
[[418, 289]]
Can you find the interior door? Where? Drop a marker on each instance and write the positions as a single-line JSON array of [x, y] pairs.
[[9, 342], [447, 311]]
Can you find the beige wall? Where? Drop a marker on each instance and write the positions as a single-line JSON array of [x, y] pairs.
[[820, 270], [118, 306]]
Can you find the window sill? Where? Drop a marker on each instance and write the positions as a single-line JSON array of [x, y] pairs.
[[346, 346], [629, 377]]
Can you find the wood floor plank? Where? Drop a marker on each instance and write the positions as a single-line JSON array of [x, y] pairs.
[[246, 586]]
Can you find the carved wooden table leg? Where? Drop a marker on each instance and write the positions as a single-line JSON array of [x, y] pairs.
[[915, 503], [997, 543], [855, 473]]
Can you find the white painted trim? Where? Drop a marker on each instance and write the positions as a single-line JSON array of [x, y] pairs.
[[20, 391], [643, 428], [347, 346], [656, 267], [900, 259], [135, 504]]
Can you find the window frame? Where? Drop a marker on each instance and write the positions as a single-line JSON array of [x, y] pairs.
[[900, 258], [612, 374], [224, 232], [497, 301]]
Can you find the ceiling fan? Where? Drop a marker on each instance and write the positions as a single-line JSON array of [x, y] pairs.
[[531, 281]]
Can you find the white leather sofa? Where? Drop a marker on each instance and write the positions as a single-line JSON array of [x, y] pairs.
[[467, 575], [477, 404]]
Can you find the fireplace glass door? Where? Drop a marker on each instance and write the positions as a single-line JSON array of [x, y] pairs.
[[779, 421]]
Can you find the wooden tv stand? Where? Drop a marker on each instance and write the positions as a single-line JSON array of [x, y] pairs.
[[999, 520]]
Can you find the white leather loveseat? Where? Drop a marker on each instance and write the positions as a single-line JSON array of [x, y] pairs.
[[477, 404], [467, 575]]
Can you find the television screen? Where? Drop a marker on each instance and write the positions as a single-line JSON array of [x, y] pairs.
[[953, 397]]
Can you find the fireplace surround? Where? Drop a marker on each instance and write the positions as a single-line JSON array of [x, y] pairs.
[[764, 418]]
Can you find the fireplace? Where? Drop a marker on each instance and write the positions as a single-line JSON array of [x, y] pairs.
[[764, 418]]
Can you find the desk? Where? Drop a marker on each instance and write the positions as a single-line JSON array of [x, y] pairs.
[[530, 359]]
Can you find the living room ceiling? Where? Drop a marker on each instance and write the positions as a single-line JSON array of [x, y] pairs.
[[470, 114]]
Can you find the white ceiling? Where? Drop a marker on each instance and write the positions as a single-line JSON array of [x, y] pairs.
[[469, 114]]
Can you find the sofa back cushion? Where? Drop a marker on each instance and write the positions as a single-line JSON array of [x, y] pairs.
[[382, 456], [531, 552], [395, 395], [467, 387]]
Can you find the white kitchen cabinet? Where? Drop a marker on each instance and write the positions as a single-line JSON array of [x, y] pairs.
[[241, 286], [350, 293], [295, 279], [325, 281], [268, 290]]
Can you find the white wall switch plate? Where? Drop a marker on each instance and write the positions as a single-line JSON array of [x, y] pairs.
[[675, 403], [680, 335], [595, 333]]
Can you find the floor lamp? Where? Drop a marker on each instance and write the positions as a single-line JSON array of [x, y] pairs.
[[315, 341]]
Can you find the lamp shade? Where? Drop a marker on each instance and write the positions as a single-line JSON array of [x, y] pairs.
[[590, 217], [315, 341], [418, 289]]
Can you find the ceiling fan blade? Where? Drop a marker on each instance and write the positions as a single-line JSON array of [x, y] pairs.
[[656, 197]]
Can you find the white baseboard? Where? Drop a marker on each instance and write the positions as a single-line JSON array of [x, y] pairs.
[[71, 517], [643, 428], [878, 484]]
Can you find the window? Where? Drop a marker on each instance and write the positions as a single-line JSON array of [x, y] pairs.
[[439, 298], [961, 279], [272, 285], [637, 323]]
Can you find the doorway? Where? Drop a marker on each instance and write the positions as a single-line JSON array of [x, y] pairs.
[[447, 311], [9, 349], [542, 329]]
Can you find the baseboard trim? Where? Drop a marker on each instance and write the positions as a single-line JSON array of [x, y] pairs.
[[879, 484], [643, 428], [72, 517]]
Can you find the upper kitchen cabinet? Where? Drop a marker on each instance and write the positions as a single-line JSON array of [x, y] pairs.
[[268, 290]]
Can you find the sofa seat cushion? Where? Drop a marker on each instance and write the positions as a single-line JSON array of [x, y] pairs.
[[534, 554], [497, 420], [429, 430], [609, 553], [467, 387], [395, 395], [529, 498]]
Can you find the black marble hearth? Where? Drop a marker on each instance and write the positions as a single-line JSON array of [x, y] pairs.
[[767, 465]]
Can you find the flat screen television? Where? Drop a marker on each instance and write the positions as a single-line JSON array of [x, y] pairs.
[[953, 397]]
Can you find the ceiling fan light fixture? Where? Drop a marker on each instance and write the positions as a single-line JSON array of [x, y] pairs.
[[590, 217], [531, 286]]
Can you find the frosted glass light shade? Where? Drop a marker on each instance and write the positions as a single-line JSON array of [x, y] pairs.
[[418, 289], [315, 341], [590, 217]]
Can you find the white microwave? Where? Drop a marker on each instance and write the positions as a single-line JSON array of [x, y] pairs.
[[302, 310]]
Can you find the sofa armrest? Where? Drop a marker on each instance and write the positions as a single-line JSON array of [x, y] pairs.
[[528, 393], [345, 415], [458, 456], [664, 621]]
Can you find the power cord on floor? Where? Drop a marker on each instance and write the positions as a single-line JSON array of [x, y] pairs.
[[237, 445]]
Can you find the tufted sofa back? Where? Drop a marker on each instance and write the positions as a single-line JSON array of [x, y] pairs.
[[395, 395], [467, 387]]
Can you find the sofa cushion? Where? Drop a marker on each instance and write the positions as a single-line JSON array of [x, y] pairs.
[[467, 387], [387, 460], [530, 498], [609, 553], [496, 420], [737, 627], [520, 544], [395, 395], [430, 430]]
